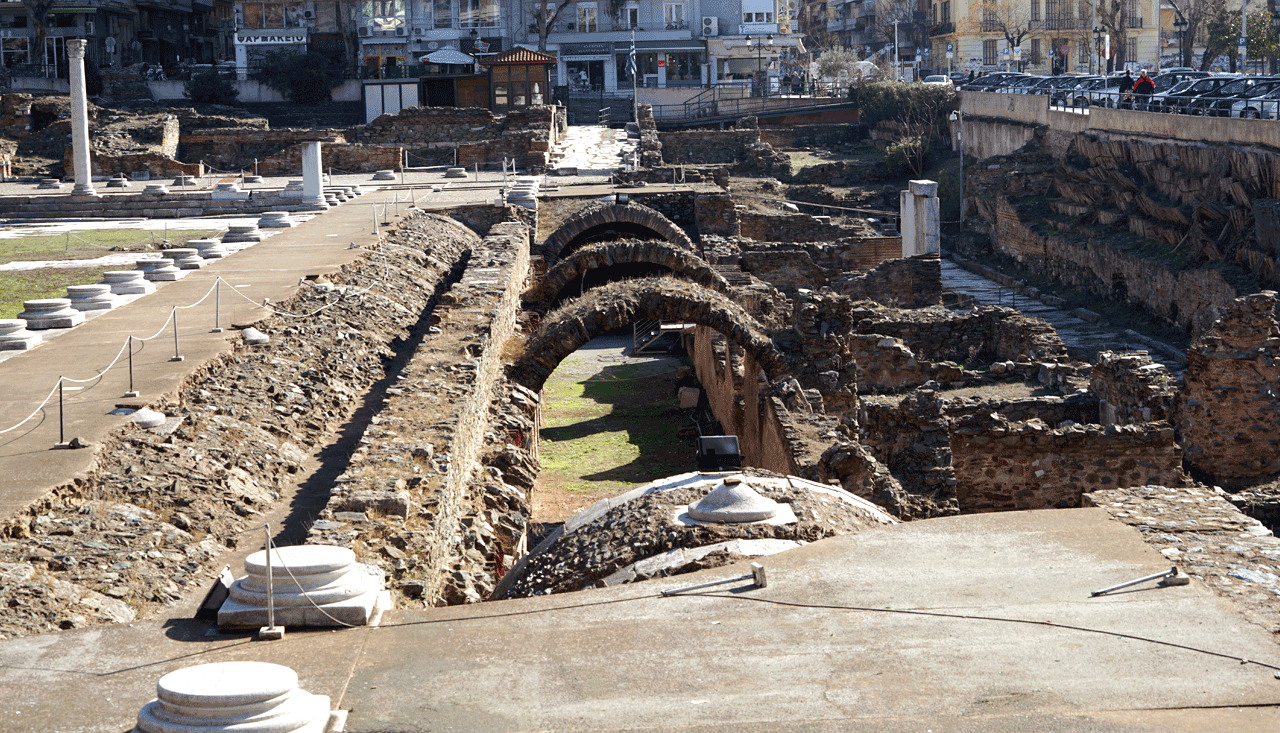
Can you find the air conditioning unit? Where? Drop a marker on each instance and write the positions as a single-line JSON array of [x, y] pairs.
[[402, 31], [364, 31], [309, 14], [710, 25]]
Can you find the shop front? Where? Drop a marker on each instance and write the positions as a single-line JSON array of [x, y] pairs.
[[662, 64], [253, 44]]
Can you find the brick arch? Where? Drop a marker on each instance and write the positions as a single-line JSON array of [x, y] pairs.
[[682, 263], [599, 218], [617, 305]]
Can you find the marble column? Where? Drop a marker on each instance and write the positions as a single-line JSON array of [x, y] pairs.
[[79, 119], [312, 178], [920, 212]]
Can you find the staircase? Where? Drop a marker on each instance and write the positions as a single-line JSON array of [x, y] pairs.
[[656, 337]]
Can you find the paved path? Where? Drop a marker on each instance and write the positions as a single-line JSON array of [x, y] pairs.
[[1083, 338], [593, 150]]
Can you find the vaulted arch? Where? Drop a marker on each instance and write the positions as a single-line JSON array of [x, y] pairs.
[[617, 305], [617, 260], [601, 221]]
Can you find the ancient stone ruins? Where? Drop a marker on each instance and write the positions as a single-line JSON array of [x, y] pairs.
[[820, 332]]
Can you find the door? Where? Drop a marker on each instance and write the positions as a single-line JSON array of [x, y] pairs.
[[55, 57]]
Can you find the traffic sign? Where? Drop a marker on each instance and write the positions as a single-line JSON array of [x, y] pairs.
[[1065, 50], [950, 54], [951, 47]]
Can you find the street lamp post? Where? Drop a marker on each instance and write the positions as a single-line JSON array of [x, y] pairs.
[[1180, 25], [1097, 38], [759, 43]]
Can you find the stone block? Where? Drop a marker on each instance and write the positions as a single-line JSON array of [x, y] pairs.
[[47, 313]]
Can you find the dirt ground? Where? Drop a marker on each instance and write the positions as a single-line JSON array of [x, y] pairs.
[[610, 424]]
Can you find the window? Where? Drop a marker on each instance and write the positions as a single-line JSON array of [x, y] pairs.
[[673, 16], [478, 13], [988, 20], [1131, 10], [988, 53], [14, 51], [1035, 52], [383, 15], [946, 12], [586, 17], [684, 67], [631, 17], [757, 17], [443, 12], [1130, 49], [1051, 14], [1035, 11]]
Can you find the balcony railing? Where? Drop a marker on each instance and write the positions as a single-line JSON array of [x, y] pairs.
[[942, 29]]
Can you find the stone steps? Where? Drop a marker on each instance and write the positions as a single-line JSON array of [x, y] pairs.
[[1084, 339], [151, 206]]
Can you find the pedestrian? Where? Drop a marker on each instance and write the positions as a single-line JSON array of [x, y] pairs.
[[1126, 86], [971, 75], [1143, 88]]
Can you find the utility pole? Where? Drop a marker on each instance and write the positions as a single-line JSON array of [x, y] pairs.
[[897, 60]]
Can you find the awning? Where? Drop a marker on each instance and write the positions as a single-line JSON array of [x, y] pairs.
[[69, 11], [651, 46], [447, 56]]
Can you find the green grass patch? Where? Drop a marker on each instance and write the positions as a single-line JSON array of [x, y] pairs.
[[613, 430], [91, 243], [48, 282]]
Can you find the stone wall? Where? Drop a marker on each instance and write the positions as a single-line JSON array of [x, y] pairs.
[[816, 264], [1001, 466], [813, 136], [715, 214], [236, 148], [770, 227], [1132, 389], [339, 158], [1230, 407], [702, 147], [417, 474], [914, 282]]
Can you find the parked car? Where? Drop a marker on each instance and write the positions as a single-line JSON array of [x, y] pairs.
[[991, 81], [1060, 88], [1098, 91], [1171, 77], [1264, 107], [1218, 103], [1179, 101], [939, 79], [1021, 86]]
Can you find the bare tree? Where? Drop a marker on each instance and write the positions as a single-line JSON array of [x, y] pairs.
[[1113, 16], [38, 11], [1197, 14], [543, 15], [1009, 18]]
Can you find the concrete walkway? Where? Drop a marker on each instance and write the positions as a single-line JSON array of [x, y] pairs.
[[978, 623], [30, 465]]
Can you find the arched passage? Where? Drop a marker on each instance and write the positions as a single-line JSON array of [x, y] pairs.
[[616, 305], [597, 264], [600, 221]]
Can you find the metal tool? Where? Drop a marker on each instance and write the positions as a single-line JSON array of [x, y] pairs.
[[1168, 577], [756, 576]]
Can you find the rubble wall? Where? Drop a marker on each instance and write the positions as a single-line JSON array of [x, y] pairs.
[[713, 362], [235, 148], [1001, 466], [412, 482], [702, 147], [1132, 388], [1229, 408], [768, 227], [913, 282]]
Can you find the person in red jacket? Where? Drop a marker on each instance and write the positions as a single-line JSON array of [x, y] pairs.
[[1143, 88]]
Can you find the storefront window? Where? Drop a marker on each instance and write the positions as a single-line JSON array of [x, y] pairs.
[[479, 13], [500, 98], [443, 12], [684, 67]]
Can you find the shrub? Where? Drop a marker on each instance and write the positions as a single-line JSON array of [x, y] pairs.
[[910, 104], [906, 156], [210, 87]]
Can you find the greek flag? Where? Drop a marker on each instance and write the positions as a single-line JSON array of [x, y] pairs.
[[631, 56]]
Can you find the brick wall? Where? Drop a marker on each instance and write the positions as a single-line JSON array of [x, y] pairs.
[[1001, 466], [767, 227], [344, 158], [236, 148], [1230, 407], [813, 136]]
